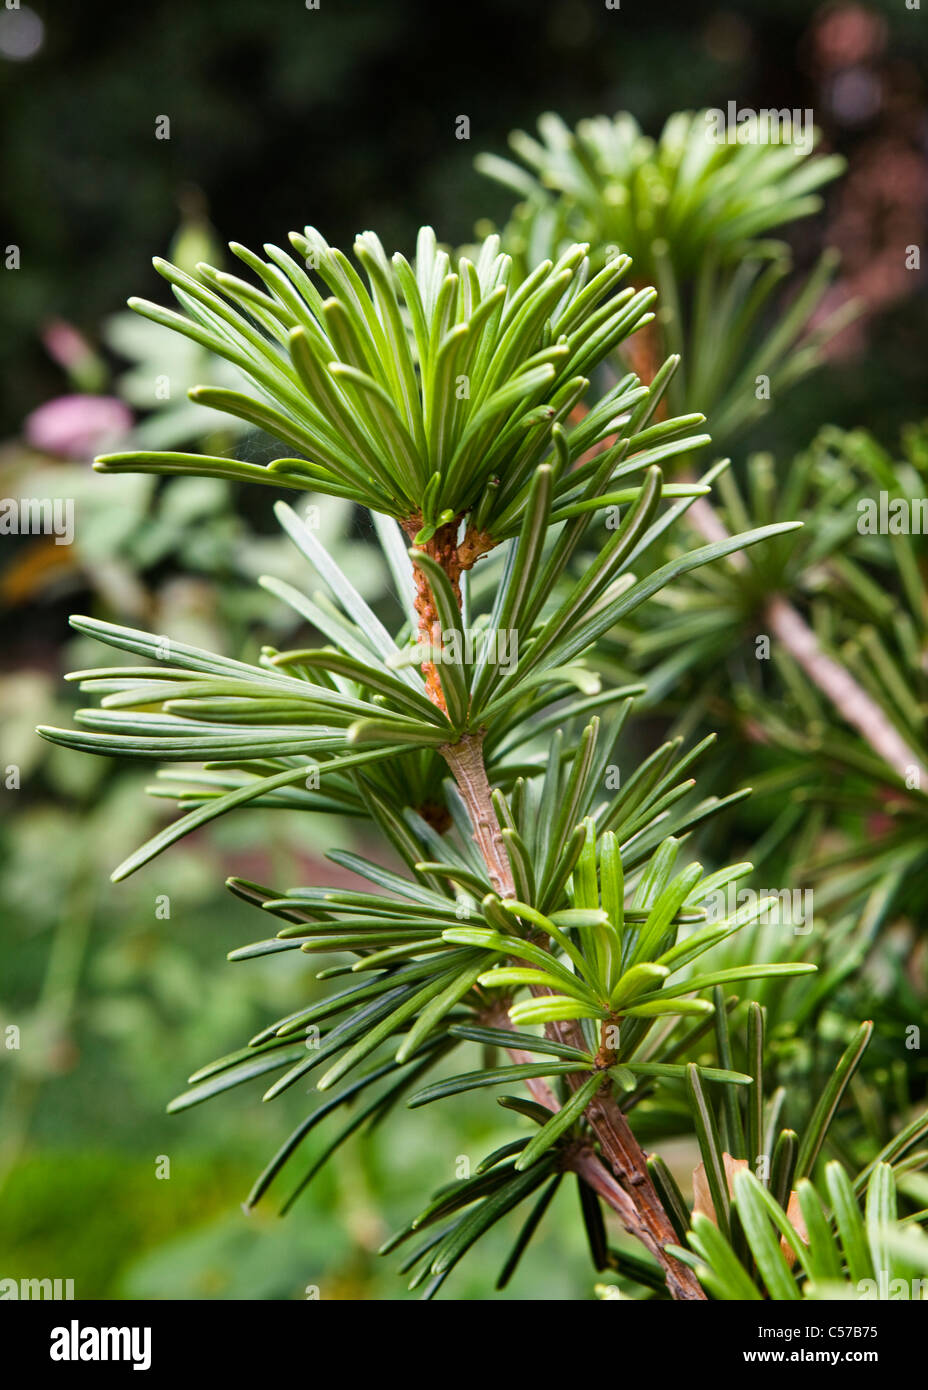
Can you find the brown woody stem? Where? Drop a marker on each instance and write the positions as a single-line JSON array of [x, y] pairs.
[[465, 759], [645, 1217], [627, 1188], [625, 1185]]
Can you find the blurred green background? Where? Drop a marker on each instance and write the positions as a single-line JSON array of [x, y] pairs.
[[279, 115]]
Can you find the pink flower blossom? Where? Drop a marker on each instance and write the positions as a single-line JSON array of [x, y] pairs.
[[78, 427]]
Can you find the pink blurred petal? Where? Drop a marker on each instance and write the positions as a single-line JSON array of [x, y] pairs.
[[64, 344], [78, 427]]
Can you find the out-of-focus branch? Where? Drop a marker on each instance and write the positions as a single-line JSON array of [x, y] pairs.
[[849, 698]]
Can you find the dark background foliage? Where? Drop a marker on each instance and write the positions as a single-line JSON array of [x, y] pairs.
[[345, 116]]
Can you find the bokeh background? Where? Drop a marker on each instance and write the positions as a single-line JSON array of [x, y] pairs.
[[343, 117]]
